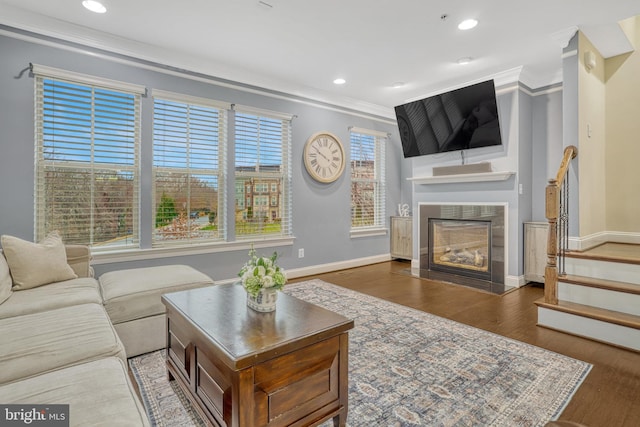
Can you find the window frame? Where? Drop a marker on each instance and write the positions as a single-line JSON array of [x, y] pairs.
[[219, 170], [98, 87], [283, 176], [143, 204]]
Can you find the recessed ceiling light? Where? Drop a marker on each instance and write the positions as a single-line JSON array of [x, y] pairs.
[[467, 24], [339, 81], [94, 6], [465, 60]]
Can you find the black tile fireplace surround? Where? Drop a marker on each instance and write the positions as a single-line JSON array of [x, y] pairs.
[[493, 277]]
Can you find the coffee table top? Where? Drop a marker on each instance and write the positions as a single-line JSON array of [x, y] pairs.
[[246, 337]]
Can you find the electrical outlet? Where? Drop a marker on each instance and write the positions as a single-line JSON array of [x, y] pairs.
[[301, 253]]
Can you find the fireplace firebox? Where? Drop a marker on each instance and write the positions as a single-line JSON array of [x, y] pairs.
[[463, 244], [460, 247]]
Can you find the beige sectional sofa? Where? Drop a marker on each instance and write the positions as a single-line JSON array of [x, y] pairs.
[[58, 342], [132, 300]]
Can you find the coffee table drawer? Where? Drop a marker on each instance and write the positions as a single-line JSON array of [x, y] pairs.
[[213, 388], [296, 384], [179, 344]]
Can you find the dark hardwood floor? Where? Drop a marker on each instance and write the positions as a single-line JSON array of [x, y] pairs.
[[609, 396]]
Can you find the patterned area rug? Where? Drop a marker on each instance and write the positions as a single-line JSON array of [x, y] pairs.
[[407, 368], [166, 404]]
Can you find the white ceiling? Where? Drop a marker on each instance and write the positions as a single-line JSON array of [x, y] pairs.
[[300, 46]]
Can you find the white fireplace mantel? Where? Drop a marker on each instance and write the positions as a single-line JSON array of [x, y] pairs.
[[460, 178]]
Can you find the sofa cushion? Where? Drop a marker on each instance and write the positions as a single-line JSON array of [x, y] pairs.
[[135, 293], [36, 264], [5, 280], [36, 343], [97, 392], [55, 295]]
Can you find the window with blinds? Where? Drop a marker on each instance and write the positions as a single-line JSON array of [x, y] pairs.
[[262, 173], [189, 136], [367, 179], [87, 144]]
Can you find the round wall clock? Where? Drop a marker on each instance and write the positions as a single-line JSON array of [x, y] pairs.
[[324, 157]]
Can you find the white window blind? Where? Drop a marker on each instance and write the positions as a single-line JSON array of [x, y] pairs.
[[368, 188], [189, 139], [87, 144], [262, 165]]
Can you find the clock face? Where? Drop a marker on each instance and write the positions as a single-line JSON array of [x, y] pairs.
[[324, 157]]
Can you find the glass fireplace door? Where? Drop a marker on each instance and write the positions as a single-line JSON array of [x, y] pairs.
[[460, 247]]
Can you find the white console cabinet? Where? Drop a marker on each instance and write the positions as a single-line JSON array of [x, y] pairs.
[[401, 237], [535, 251]]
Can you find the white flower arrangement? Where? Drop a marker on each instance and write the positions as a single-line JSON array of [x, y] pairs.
[[262, 272]]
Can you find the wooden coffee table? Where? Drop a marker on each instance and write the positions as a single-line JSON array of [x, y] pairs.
[[244, 368]]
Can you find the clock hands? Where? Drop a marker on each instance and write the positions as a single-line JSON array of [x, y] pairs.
[[319, 152]]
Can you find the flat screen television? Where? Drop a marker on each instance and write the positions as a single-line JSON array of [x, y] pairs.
[[460, 119]]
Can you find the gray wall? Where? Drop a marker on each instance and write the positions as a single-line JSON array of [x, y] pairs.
[[321, 212], [525, 170], [547, 146], [570, 124]]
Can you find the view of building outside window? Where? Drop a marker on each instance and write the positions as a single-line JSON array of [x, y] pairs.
[[187, 141], [262, 155]]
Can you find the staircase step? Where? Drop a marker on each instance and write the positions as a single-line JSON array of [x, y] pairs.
[[605, 270], [610, 316], [591, 282], [599, 293], [613, 327], [612, 252]]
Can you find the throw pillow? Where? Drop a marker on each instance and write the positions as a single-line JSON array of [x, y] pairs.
[[5, 279], [36, 264]]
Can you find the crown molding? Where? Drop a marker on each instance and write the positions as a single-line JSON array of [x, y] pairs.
[[501, 78], [537, 81], [563, 37], [56, 33]]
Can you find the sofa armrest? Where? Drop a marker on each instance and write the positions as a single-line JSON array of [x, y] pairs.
[[79, 259]]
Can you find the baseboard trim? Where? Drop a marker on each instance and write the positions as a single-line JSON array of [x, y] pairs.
[[595, 239], [624, 237], [415, 267], [510, 281], [515, 281], [295, 273]]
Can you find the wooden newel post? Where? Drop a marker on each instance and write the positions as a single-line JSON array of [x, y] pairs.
[[552, 212], [552, 201]]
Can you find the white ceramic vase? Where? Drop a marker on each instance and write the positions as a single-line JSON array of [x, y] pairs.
[[264, 301]]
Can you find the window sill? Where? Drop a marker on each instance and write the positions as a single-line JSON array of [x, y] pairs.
[[121, 255], [367, 232]]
